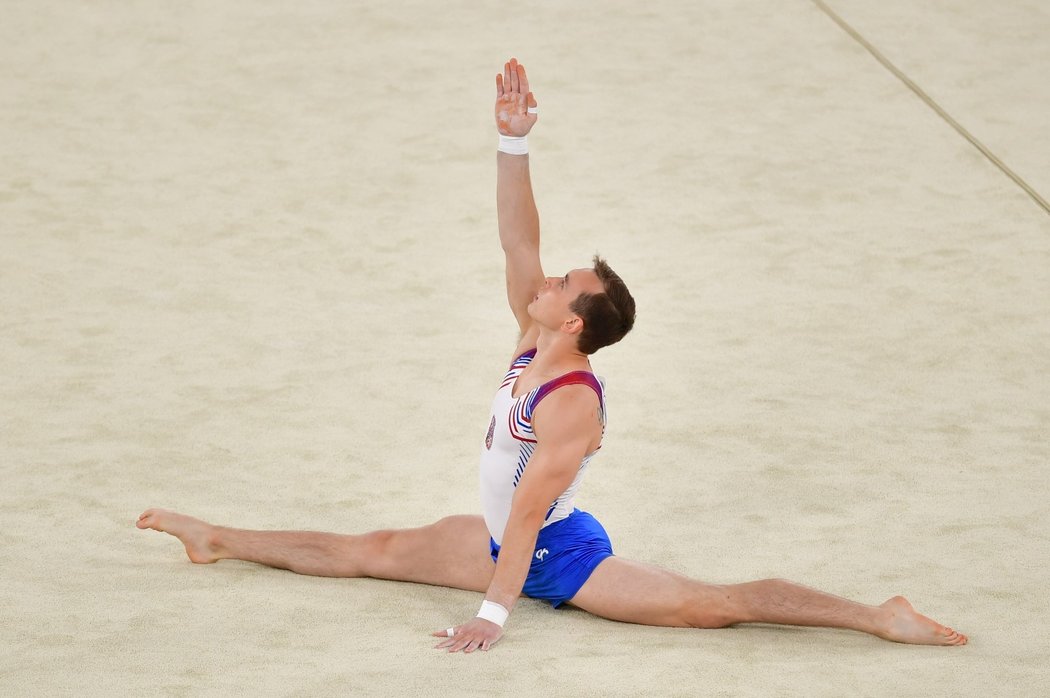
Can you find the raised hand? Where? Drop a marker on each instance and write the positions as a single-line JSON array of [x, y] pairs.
[[513, 101]]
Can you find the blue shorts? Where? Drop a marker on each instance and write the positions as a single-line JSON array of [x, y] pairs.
[[567, 552]]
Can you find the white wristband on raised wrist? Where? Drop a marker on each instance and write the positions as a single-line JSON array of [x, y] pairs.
[[513, 145], [492, 611]]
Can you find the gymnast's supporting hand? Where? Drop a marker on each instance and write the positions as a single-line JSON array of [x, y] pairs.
[[478, 634]]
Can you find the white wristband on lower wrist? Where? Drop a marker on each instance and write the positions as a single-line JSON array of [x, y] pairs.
[[513, 145], [492, 611]]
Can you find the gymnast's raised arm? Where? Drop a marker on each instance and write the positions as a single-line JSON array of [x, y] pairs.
[[519, 222]]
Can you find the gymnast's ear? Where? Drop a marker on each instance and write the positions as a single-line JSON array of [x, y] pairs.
[[574, 325]]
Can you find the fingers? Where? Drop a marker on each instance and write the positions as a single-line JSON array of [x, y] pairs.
[[452, 644], [448, 642], [523, 81], [515, 83], [513, 80], [468, 638], [464, 642], [531, 101], [444, 633]]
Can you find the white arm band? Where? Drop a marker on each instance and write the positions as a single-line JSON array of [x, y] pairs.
[[492, 611], [512, 145]]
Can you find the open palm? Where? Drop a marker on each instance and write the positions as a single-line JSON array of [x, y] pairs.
[[513, 101]]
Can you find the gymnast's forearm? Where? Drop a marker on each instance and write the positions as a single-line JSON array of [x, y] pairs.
[[515, 557], [519, 221]]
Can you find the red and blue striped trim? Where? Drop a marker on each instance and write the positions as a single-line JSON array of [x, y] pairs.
[[516, 367], [520, 417]]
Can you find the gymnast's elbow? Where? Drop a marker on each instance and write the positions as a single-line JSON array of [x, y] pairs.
[[527, 513]]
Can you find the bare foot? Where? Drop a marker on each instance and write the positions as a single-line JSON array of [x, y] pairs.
[[198, 536], [905, 624]]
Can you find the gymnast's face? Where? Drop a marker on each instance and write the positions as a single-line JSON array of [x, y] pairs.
[[551, 305]]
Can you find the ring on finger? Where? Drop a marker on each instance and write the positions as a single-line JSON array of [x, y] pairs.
[[450, 632]]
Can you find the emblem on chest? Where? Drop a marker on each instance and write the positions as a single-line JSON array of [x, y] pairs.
[[488, 437]]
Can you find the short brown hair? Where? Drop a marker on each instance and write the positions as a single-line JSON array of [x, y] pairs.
[[607, 316]]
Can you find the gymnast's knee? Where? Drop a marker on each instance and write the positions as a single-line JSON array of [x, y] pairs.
[[711, 606], [388, 553]]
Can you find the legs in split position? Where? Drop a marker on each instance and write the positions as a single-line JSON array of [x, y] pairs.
[[454, 552], [638, 593]]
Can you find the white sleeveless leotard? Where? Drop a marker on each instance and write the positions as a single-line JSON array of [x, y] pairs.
[[509, 444]]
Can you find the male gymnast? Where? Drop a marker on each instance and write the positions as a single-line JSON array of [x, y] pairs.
[[547, 423]]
